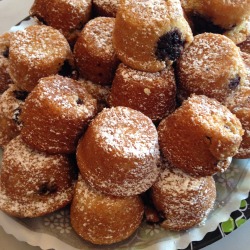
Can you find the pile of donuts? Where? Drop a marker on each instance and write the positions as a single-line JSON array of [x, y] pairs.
[[123, 110]]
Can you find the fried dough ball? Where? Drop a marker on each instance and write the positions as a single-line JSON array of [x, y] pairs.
[[184, 201], [219, 16], [150, 34], [239, 104], [94, 53], [106, 7], [119, 152], [11, 103], [33, 184], [103, 219], [68, 16], [5, 79], [56, 114], [36, 52], [211, 66], [201, 136], [153, 94]]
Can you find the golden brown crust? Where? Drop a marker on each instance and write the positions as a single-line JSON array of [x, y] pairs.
[[200, 137], [103, 219], [56, 113], [226, 14], [184, 201], [118, 154], [94, 53], [5, 79], [68, 16], [153, 94], [239, 104], [140, 25], [32, 183], [106, 7], [211, 66], [11, 103], [36, 52]]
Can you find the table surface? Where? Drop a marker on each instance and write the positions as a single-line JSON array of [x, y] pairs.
[[11, 12]]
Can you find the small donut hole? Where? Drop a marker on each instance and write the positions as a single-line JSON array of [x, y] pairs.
[[234, 83], [20, 95], [169, 45], [47, 188]]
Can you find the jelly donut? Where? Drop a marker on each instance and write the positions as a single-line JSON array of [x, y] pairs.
[[149, 34], [239, 104], [201, 136], [106, 8], [118, 154], [153, 94], [182, 200], [55, 114], [216, 16], [37, 52], [5, 79], [11, 103], [94, 53], [32, 183], [68, 16], [99, 92], [103, 219], [211, 66]]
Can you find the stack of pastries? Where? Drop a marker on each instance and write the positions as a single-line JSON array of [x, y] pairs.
[[124, 110]]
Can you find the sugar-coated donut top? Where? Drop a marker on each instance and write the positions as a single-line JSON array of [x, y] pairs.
[[63, 93], [38, 44], [150, 11], [176, 183], [28, 158], [127, 132], [97, 37]]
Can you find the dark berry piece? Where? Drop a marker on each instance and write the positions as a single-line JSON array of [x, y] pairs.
[[6, 53], [79, 101], [66, 69], [16, 116], [170, 46], [20, 95], [47, 188], [233, 83]]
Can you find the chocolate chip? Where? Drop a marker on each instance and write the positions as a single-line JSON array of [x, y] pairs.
[[203, 24], [169, 45], [66, 69], [6, 53], [47, 188], [16, 116], [79, 101], [233, 83], [20, 95]]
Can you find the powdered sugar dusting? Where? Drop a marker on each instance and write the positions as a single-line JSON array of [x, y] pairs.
[[38, 183]]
